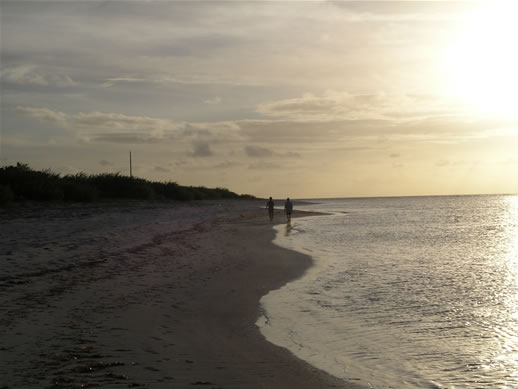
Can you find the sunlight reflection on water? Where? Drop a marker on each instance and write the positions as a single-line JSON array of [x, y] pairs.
[[406, 292], [509, 339]]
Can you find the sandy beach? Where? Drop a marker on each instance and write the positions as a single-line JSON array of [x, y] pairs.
[[151, 296]]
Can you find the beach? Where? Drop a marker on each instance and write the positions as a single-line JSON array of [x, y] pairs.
[[144, 295]]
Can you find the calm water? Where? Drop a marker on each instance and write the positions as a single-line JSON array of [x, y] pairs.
[[416, 292]]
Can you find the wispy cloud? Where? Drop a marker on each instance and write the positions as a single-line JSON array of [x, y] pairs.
[[226, 165], [123, 138], [201, 149], [104, 162], [263, 166], [115, 124], [112, 81], [345, 106], [260, 138], [258, 152], [213, 101], [161, 169], [35, 76], [255, 151], [44, 115]]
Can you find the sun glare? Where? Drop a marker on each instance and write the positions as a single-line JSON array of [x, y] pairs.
[[482, 62]]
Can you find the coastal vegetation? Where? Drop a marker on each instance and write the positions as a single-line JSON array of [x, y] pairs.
[[21, 183]]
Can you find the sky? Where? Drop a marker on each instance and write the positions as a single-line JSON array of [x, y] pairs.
[[299, 99]]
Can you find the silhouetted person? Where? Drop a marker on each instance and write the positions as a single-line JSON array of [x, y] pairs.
[[288, 208], [270, 206]]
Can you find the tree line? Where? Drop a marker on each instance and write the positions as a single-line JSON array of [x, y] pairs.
[[20, 183]]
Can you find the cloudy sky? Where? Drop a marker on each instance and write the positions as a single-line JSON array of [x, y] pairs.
[[280, 98]]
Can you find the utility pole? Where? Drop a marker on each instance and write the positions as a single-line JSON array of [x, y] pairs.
[[131, 170]]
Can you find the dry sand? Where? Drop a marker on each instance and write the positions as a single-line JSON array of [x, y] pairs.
[[153, 297]]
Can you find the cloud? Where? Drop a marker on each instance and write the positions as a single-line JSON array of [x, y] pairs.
[[262, 152], [181, 163], [124, 138], [258, 152], [226, 165], [304, 42], [296, 131], [44, 115], [322, 130], [306, 106], [117, 121], [112, 81], [161, 169], [97, 120], [192, 130], [104, 162], [213, 101], [186, 79], [263, 166], [401, 11], [188, 45], [201, 149], [35, 76], [288, 154], [334, 106], [509, 161], [106, 127], [120, 128]]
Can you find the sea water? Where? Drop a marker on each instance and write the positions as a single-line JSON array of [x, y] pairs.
[[409, 292]]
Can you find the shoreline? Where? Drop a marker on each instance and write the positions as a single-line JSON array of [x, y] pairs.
[[249, 361], [175, 309]]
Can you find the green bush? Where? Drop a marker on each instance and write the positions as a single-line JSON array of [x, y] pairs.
[[79, 191], [28, 184], [169, 191], [20, 183], [6, 194], [117, 186]]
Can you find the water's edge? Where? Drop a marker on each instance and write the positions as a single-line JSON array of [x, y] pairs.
[[276, 336]]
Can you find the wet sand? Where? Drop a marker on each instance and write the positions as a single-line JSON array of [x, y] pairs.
[[158, 297]]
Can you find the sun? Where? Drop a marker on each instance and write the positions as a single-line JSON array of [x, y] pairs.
[[482, 61]]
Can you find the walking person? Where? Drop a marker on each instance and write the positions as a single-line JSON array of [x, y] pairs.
[[270, 205], [288, 208]]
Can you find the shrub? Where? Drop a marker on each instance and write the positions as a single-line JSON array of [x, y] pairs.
[[6, 194], [79, 191], [28, 184], [118, 186], [168, 190], [20, 183]]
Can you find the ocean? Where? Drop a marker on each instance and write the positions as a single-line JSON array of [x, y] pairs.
[[405, 292]]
